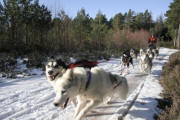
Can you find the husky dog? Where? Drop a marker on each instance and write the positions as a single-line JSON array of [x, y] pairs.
[[133, 53], [156, 52], [145, 61], [89, 91], [55, 68], [150, 53], [126, 59]]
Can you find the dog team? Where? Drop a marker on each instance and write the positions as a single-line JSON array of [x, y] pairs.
[[85, 84]]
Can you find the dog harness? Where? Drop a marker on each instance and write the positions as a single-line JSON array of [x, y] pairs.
[[86, 63], [117, 84], [114, 81], [89, 74]]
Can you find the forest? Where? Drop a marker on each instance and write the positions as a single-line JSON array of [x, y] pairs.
[[27, 27]]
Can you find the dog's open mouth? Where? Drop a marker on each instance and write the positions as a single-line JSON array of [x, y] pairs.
[[65, 103], [52, 77]]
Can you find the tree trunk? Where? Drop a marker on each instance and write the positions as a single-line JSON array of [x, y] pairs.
[[178, 38]]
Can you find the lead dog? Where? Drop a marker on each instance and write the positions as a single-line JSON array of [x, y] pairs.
[[89, 91]]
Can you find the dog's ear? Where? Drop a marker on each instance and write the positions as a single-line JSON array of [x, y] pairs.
[[61, 63], [49, 58], [52, 57]]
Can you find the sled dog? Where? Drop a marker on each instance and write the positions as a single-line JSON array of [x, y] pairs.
[[150, 53], [145, 61], [90, 87], [133, 53], [55, 68], [156, 52], [126, 59]]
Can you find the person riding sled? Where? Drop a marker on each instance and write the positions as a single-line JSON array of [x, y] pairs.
[[152, 42]]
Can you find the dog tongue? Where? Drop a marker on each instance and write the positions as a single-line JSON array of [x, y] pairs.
[[52, 77]]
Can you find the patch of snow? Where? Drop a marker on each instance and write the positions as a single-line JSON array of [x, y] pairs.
[[31, 97], [72, 60], [145, 105]]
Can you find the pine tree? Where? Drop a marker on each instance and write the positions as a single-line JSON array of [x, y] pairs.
[[118, 21], [129, 18], [81, 29], [173, 17], [99, 31], [147, 20]]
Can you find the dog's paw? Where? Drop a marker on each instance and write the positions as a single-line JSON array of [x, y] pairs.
[[108, 102]]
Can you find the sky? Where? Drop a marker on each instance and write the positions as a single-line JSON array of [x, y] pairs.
[[107, 7]]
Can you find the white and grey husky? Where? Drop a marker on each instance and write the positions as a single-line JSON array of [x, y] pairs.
[[55, 68], [89, 87], [145, 61]]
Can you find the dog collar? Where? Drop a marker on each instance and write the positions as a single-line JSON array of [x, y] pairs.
[[89, 74]]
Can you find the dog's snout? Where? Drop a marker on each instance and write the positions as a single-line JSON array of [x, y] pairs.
[[50, 72], [56, 104]]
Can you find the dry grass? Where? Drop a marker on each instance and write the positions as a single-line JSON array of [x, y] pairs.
[[123, 39], [170, 81]]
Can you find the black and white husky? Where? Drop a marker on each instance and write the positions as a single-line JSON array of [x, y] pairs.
[[150, 53], [156, 52], [126, 60], [133, 53], [55, 68]]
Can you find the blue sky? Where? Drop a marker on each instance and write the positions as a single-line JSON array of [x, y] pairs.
[[107, 7]]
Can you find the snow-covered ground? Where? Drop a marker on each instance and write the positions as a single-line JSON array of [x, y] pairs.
[[30, 98], [144, 107]]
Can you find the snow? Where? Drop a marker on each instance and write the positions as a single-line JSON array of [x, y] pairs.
[[31, 97], [144, 107], [21, 67]]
